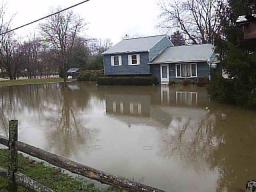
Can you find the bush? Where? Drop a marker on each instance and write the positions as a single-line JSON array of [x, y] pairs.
[[186, 82], [90, 75], [127, 80], [232, 91], [222, 90], [201, 82]]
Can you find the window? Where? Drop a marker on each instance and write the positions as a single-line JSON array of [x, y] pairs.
[[134, 59], [178, 73], [121, 107], [135, 108], [187, 98], [186, 70], [118, 107], [193, 70], [114, 107], [116, 60]]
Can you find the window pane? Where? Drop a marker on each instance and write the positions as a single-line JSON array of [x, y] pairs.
[[183, 70], [193, 68], [188, 70], [178, 70], [134, 59], [116, 60]]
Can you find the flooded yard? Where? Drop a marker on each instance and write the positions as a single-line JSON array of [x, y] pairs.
[[173, 138]]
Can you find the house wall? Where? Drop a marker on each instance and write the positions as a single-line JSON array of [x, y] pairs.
[[159, 48], [142, 69], [202, 71], [155, 71], [250, 31]]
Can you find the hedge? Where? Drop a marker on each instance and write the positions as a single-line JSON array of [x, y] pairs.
[[90, 75], [127, 80]]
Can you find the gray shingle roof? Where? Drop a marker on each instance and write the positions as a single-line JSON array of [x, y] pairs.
[[245, 18], [192, 53], [142, 44], [73, 70]]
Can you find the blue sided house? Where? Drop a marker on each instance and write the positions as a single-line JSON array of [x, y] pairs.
[[156, 55]]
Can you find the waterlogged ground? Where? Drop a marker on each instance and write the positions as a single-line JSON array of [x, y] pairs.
[[172, 138]]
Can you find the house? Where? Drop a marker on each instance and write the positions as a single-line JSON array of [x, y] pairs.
[[156, 55], [73, 73], [248, 26]]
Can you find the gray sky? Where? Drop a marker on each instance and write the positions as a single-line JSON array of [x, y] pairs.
[[107, 19]]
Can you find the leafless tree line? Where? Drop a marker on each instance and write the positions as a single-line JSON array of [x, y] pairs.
[[59, 46]]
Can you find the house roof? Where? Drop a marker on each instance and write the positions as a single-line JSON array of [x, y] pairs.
[[191, 53], [73, 70], [141, 44], [246, 18]]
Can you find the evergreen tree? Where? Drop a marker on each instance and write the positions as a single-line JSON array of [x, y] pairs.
[[177, 39], [238, 60]]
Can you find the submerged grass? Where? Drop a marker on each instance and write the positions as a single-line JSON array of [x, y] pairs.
[[51, 177], [7, 83]]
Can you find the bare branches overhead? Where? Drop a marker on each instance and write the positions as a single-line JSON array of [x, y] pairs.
[[199, 20]]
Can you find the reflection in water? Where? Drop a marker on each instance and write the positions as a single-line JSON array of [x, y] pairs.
[[186, 97], [133, 105], [70, 132], [169, 137]]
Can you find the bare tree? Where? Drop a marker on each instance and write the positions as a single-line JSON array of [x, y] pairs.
[[198, 19], [10, 56], [60, 31], [8, 46], [30, 51]]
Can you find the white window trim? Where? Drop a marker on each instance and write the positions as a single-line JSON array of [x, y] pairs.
[[113, 60], [176, 71], [130, 59]]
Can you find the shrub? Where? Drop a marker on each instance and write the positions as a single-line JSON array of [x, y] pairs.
[[186, 82], [222, 90], [201, 82], [90, 75], [127, 80], [232, 91]]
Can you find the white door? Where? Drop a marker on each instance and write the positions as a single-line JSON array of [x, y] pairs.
[[164, 73]]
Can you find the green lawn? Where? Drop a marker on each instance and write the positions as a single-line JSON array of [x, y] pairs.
[[6, 83], [51, 177]]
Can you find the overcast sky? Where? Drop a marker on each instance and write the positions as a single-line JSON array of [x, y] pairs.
[[107, 19]]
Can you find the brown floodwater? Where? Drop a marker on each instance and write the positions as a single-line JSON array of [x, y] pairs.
[[173, 138]]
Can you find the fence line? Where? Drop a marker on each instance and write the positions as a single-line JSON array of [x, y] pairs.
[[25, 181], [80, 169]]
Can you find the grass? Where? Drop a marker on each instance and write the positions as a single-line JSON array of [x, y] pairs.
[[7, 83], [51, 177]]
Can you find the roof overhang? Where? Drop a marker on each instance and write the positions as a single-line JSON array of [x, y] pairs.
[[180, 62], [127, 52]]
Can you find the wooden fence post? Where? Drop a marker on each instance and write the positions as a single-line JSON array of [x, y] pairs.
[[13, 154]]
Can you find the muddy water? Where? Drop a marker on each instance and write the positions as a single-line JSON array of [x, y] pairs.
[[172, 138]]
